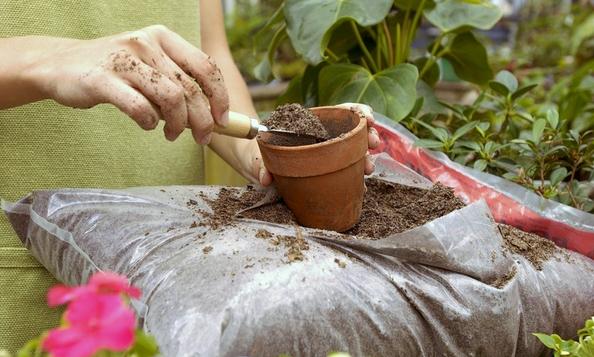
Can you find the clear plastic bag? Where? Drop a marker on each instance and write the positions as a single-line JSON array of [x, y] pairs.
[[509, 203], [428, 291]]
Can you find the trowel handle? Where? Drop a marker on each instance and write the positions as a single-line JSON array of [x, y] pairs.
[[240, 126]]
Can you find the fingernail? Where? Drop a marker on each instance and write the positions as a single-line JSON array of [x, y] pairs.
[[261, 175], [206, 139], [225, 118]]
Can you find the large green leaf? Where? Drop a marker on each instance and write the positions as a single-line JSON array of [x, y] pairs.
[[469, 58], [584, 31], [449, 15], [310, 22], [412, 4], [391, 92]]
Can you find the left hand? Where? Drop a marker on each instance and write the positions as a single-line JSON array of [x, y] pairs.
[[263, 176]]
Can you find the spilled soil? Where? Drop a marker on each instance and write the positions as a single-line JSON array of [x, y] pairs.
[[531, 246], [388, 208], [297, 119]]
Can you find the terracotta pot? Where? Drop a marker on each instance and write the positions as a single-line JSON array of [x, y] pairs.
[[323, 184]]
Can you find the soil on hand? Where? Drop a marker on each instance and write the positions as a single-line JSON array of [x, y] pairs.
[[294, 118], [532, 247]]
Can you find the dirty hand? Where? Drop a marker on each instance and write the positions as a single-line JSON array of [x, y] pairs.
[[148, 74], [259, 171]]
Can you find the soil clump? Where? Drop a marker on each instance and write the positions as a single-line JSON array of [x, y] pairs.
[[298, 119]]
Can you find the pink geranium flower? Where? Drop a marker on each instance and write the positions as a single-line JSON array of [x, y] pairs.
[[101, 282], [94, 321]]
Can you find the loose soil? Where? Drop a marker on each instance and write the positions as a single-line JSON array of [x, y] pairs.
[[531, 246], [295, 118], [388, 208]]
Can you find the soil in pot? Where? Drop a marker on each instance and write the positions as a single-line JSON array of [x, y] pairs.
[[295, 118], [387, 209]]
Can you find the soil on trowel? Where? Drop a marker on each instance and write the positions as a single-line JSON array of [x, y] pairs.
[[531, 246], [294, 118]]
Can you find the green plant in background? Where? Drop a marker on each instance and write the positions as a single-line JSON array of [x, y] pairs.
[[584, 347], [361, 51], [547, 147]]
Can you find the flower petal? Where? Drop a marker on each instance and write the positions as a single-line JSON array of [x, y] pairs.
[[70, 342], [108, 282], [61, 294]]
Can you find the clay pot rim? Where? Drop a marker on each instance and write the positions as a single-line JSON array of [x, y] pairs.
[[362, 124]]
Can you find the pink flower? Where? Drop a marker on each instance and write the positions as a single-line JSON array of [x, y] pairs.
[[101, 282], [95, 321]]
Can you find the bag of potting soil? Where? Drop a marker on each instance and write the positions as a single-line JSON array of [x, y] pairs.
[[226, 272], [509, 203]]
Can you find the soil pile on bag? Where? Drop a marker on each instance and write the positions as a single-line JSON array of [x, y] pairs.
[[296, 118], [388, 208], [534, 248]]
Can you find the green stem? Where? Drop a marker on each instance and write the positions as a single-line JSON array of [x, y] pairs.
[[399, 40], [415, 23], [434, 55], [364, 63], [363, 47], [378, 47], [332, 55], [389, 42]]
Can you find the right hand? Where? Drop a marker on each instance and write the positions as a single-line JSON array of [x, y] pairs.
[[148, 74]]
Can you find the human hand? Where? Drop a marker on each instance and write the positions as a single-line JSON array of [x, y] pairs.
[[263, 176], [148, 74]]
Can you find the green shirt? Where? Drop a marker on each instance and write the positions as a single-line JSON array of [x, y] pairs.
[[46, 145]]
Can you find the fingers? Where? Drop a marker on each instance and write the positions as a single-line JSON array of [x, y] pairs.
[[199, 116], [156, 87], [129, 101], [199, 66], [260, 172], [369, 166], [373, 139]]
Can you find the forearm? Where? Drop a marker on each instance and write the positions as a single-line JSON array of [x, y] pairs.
[[232, 150], [19, 82]]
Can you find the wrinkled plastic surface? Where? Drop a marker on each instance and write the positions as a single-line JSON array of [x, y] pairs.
[[509, 203], [425, 292]]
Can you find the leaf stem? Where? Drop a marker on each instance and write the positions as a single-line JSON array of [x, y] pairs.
[[433, 55], [389, 42], [363, 47], [415, 23], [332, 55]]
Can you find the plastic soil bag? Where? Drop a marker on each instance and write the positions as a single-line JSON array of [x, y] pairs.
[[509, 202], [438, 279]]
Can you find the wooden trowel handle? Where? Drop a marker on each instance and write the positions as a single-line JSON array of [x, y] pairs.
[[240, 126]]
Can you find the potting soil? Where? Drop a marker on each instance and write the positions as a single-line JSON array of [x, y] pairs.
[[296, 118], [218, 285]]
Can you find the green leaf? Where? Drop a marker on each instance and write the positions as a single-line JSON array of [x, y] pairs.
[[508, 80], [144, 345], [546, 340], [538, 129], [520, 92], [391, 92], [584, 31], [411, 4], [293, 94], [473, 145], [469, 58], [463, 130], [432, 75], [263, 70], [449, 15], [429, 144], [553, 118], [558, 176], [499, 88], [483, 127], [310, 22], [430, 102], [480, 165]]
